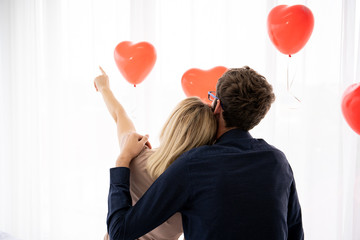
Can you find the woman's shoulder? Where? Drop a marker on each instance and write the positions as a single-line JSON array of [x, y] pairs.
[[144, 154], [140, 162]]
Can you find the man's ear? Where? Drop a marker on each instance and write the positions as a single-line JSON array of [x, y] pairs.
[[218, 109]]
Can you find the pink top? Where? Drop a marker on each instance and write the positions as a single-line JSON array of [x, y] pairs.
[[140, 181]]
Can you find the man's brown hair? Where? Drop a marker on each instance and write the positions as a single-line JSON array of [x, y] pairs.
[[245, 96]]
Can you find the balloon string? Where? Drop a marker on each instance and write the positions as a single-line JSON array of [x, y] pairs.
[[134, 103], [287, 78], [289, 82]]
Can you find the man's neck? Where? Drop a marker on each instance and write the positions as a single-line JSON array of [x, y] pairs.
[[222, 126], [222, 130]]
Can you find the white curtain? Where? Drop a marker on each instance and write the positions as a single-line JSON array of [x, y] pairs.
[[57, 140]]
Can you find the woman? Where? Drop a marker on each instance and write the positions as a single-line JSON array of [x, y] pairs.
[[191, 124]]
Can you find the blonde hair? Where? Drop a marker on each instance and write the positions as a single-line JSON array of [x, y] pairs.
[[191, 124]]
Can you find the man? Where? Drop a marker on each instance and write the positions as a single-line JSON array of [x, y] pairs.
[[238, 188]]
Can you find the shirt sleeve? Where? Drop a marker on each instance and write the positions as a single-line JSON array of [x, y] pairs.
[[166, 196], [295, 228]]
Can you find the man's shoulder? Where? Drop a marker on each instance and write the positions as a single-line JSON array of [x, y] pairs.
[[236, 148], [261, 144], [198, 152], [206, 151]]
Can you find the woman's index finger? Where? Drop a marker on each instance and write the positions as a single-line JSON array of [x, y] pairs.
[[102, 70]]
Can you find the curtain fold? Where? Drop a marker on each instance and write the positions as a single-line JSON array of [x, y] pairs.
[[350, 69], [57, 140]]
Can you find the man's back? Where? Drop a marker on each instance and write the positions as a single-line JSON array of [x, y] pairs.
[[240, 189]]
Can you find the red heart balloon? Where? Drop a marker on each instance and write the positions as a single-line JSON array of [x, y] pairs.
[[135, 61], [290, 27], [197, 82], [350, 106]]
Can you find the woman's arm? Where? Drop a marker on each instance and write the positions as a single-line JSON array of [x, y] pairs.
[[123, 122]]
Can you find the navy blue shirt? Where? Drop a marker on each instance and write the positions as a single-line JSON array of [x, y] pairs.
[[238, 188]]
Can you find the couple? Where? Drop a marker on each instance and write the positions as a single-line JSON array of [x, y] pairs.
[[208, 168]]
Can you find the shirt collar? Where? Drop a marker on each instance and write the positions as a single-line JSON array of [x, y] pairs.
[[233, 134]]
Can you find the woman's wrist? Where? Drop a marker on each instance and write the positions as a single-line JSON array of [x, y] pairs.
[[104, 89]]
